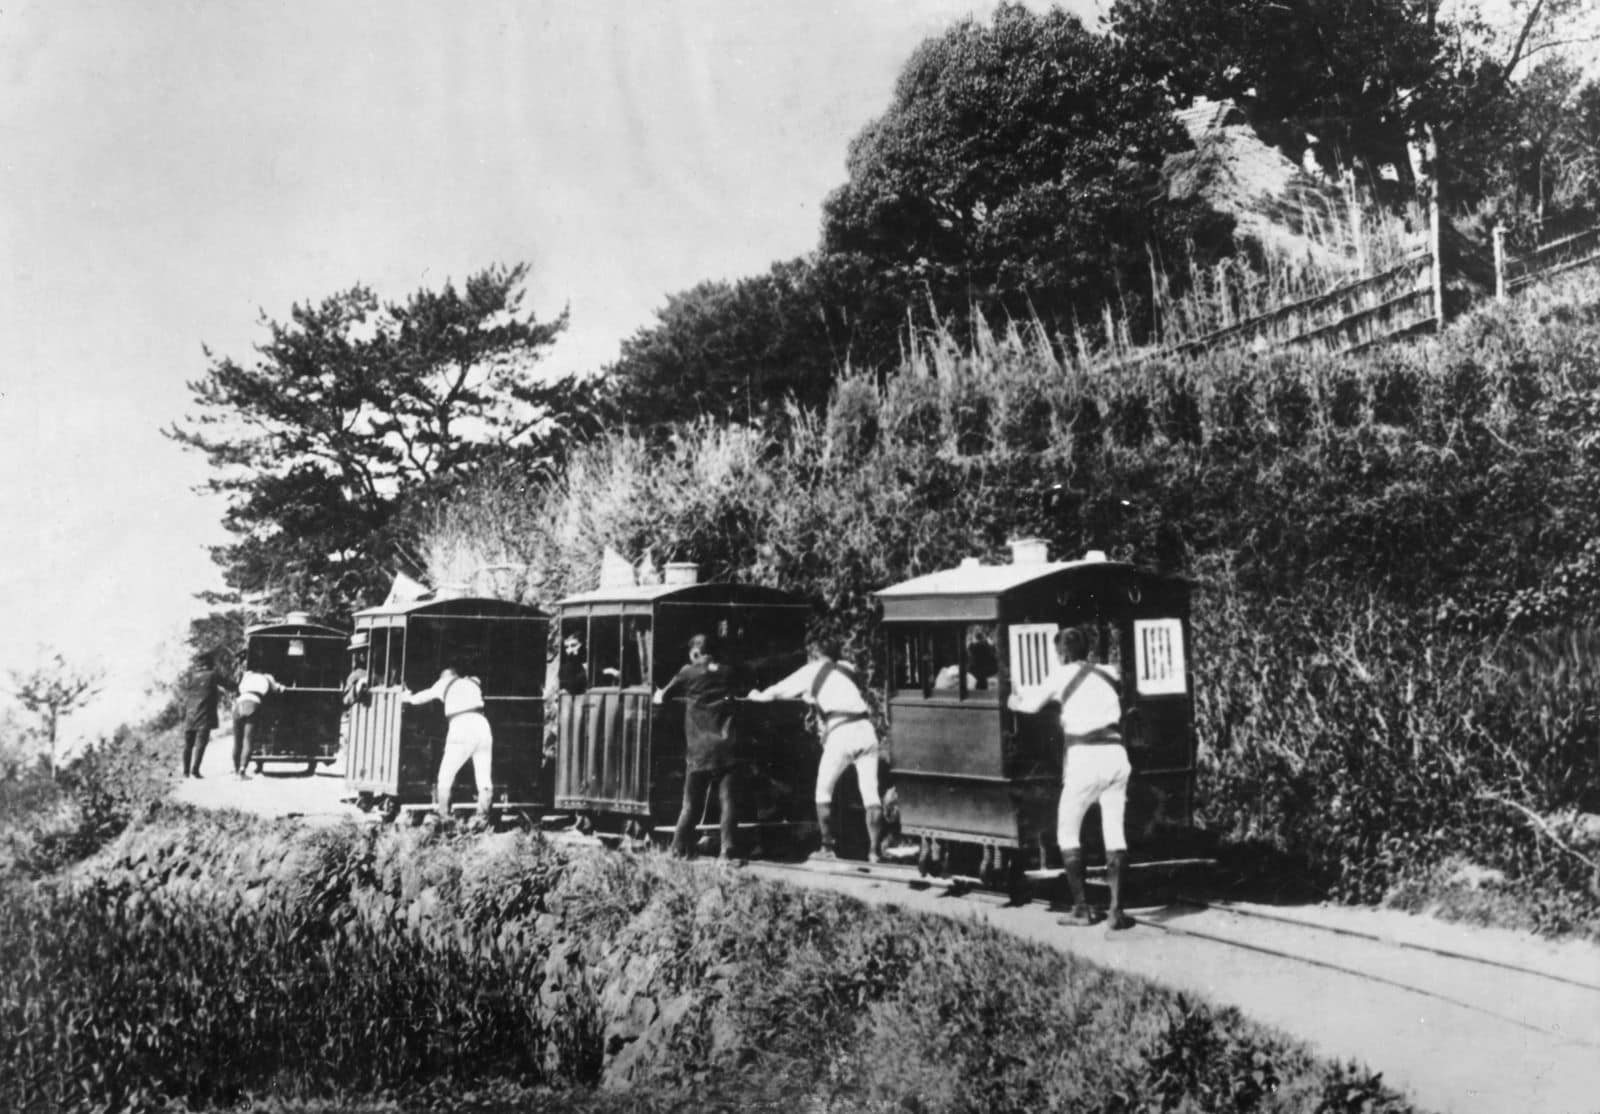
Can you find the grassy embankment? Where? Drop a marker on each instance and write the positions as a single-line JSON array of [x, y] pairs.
[[1397, 559], [216, 962]]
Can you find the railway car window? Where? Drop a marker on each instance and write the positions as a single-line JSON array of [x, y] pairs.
[[981, 661], [513, 662], [433, 643], [677, 625], [1158, 656], [394, 660], [605, 651], [572, 669], [1033, 652], [322, 667], [929, 657], [424, 654], [772, 644], [636, 650]]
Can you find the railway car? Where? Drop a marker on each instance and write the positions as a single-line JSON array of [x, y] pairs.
[[393, 748], [301, 723], [620, 760], [975, 779]]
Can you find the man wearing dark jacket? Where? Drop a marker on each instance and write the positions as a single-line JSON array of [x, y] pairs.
[[708, 686], [198, 692]]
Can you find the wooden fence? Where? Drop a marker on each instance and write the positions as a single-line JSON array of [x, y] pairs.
[[1402, 301], [1546, 260], [1396, 302]]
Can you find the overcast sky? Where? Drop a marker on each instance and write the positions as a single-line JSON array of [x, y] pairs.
[[171, 169]]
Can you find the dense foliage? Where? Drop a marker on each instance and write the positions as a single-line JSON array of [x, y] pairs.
[[48, 822], [353, 413], [192, 967], [1017, 171], [1377, 545]]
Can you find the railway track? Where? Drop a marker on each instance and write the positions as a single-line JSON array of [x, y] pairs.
[[1220, 940]]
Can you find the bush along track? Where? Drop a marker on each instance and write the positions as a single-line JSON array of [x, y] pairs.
[[214, 962]]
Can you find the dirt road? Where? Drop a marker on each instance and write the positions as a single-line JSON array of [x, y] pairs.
[[1465, 1021]]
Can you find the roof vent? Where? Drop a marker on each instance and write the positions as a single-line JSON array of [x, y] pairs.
[[971, 563], [1029, 551], [297, 618], [1095, 556], [680, 573], [450, 592]]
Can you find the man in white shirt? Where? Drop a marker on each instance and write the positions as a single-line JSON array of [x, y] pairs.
[[848, 737], [468, 737], [1095, 767], [254, 687]]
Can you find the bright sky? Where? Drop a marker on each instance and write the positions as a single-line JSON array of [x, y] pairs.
[[170, 169]]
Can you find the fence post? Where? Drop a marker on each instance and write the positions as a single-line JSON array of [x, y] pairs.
[[1354, 201], [1430, 153], [1499, 262]]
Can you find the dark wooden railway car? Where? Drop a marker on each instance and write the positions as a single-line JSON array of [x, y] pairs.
[[620, 759], [300, 724], [393, 748], [969, 772]]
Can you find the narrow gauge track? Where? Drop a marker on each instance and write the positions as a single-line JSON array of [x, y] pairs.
[[1556, 1006]]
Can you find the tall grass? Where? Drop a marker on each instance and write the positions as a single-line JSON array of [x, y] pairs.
[[206, 963]]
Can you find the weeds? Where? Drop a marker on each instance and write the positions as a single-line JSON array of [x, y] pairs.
[[201, 964]]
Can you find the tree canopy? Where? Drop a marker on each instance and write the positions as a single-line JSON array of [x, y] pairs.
[[1018, 170], [354, 412]]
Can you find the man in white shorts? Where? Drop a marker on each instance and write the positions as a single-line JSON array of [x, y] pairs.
[[1095, 765], [848, 737], [467, 737]]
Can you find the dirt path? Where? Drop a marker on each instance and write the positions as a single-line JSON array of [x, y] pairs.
[[281, 790], [1506, 1023], [1465, 1021]]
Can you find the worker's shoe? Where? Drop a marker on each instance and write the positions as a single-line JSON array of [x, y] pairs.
[[1117, 921], [1080, 917], [823, 854]]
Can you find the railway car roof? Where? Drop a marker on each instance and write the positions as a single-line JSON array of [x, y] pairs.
[[995, 580], [457, 607], [296, 630], [709, 592], [985, 592]]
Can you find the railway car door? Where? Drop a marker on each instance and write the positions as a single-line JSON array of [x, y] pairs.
[[604, 723], [1159, 733]]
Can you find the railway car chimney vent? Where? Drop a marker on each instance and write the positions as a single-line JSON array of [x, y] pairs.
[[1096, 556], [971, 563], [450, 592], [298, 618], [1029, 551], [680, 573]]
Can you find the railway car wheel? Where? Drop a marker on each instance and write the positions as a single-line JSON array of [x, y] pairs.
[[940, 859], [925, 857], [585, 824], [311, 769], [259, 767], [388, 809]]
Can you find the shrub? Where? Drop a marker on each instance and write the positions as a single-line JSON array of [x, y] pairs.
[[206, 962]]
